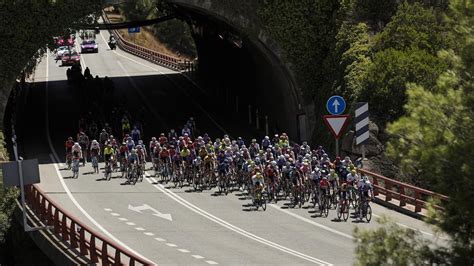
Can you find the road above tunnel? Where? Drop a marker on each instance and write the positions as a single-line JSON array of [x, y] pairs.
[[203, 227]]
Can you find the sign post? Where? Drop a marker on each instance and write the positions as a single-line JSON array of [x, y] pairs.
[[336, 105], [336, 124], [21, 173], [134, 31], [362, 125]]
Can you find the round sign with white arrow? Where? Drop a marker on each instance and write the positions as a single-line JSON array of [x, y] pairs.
[[336, 105]]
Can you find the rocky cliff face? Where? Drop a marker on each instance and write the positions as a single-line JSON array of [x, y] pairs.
[[377, 161]]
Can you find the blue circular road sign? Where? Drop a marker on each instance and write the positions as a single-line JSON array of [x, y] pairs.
[[336, 105]]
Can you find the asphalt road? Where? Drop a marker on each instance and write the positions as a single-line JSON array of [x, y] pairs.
[[205, 228]]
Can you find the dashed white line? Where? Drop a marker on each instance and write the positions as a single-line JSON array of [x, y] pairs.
[[149, 233], [123, 219], [171, 245], [234, 228], [115, 214], [197, 257], [211, 262], [183, 250], [139, 228], [107, 209], [130, 223], [160, 239]]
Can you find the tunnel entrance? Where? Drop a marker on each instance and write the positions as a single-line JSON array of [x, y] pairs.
[[241, 73]]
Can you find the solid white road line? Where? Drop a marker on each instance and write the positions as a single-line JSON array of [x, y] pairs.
[[61, 180], [306, 220], [232, 227]]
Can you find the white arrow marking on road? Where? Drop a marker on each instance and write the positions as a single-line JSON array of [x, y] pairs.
[[139, 209], [336, 105]]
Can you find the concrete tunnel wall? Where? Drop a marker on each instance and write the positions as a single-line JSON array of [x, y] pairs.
[[256, 72]]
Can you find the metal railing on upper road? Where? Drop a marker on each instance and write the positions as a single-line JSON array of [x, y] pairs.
[[158, 58], [90, 243]]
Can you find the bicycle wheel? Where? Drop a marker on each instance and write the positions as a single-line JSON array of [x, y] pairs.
[[326, 208], [263, 201], [339, 211], [345, 211], [368, 213]]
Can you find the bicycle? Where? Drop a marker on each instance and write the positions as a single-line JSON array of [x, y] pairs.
[[75, 168], [365, 210], [342, 209], [95, 164], [260, 200], [324, 205], [108, 170]]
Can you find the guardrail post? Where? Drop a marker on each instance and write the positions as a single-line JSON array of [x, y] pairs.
[[43, 208], [50, 214], [64, 233], [376, 183], [117, 257], [388, 194], [57, 228], [82, 242], [92, 249], [417, 202], [104, 255], [72, 234], [402, 196]]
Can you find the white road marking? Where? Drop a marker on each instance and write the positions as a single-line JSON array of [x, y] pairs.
[[183, 250], [139, 228], [61, 180], [115, 214], [123, 219], [197, 257], [234, 228], [160, 239], [211, 262], [143, 207], [149, 233], [171, 245], [130, 223], [107, 209], [311, 222]]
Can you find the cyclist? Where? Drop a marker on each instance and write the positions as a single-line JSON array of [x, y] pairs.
[[108, 154], [258, 183], [123, 155], [365, 192], [69, 143], [76, 153], [83, 140], [95, 153], [152, 146], [162, 139]]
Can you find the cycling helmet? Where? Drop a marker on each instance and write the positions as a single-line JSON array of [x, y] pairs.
[[70, 138], [153, 139]]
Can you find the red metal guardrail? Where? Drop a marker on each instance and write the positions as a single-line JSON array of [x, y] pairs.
[[404, 193], [91, 244], [150, 55]]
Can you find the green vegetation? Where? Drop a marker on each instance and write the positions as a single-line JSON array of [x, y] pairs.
[[433, 142], [7, 197], [175, 34]]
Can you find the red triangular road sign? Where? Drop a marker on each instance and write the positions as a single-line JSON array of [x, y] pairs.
[[336, 123]]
